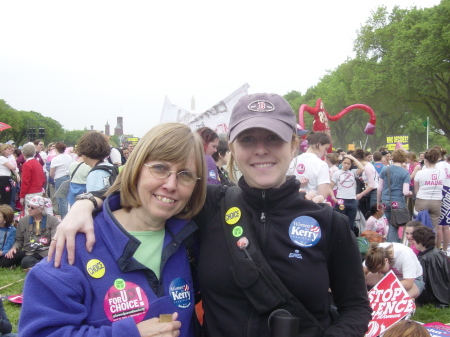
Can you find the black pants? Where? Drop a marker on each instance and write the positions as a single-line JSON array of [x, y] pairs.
[[15, 261], [30, 261], [5, 190]]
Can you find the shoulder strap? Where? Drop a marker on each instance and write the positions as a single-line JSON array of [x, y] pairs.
[[74, 171], [250, 269]]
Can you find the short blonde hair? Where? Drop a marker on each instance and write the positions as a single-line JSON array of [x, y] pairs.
[[171, 142], [407, 329]]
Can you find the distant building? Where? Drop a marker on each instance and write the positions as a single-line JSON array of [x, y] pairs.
[[118, 130], [107, 128]]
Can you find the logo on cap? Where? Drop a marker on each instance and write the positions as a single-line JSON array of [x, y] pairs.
[[261, 106]]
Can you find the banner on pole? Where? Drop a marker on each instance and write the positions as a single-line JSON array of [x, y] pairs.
[[217, 117], [391, 142], [390, 303]]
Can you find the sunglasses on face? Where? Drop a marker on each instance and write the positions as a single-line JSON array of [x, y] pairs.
[[31, 207]]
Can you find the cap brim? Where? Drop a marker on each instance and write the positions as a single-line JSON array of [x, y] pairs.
[[302, 132], [283, 130]]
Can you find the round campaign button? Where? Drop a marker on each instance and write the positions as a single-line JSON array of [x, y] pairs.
[[95, 268], [300, 168], [180, 293], [242, 243], [394, 204], [237, 231], [233, 215], [212, 174], [340, 202], [305, 231], [341, 207], [129, 300]]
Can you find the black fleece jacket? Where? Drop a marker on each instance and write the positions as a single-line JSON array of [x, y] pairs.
[[309, 262]]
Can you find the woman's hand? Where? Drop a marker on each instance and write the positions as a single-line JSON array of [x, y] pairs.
[[11, 252], [79, 219], [153, 328]]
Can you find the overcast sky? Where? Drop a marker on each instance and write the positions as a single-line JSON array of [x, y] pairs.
[[87, 62]]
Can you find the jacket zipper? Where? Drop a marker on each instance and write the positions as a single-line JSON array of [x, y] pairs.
[[263, 219]]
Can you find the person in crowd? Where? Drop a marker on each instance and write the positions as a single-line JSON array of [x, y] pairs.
[[210, 144], [393, 195], [126, 153], [15, 178], [221, 157], [386, 256], [345, 181], [428, 185], [78, 171], [8, 236], [33, 177], [409, 229], [368, 157], [6, 171], [93, 147], [407, 328], [34, 233], [375, 221], [382, 148], [40, 147], [130, 147], [377, 161], [413, 166], [310, 169], [141, 233], [384, 159], [389, 158], [50, 189], [444, 219], [263, 141], [436, 269], [59, 171], [368, 196], [21, 159], [115, 156], [422, 158], [5, 324], [332, 160]]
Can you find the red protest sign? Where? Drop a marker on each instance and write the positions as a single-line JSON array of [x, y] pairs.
[[390, 303], [438, 329]]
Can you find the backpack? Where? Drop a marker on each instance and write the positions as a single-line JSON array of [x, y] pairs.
[[112, 170], [363, 245]]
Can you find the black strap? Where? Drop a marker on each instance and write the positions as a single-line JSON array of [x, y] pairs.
[[250, 269], [74, 171]]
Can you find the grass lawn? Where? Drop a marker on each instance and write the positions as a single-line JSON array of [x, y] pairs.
[[425, 314]]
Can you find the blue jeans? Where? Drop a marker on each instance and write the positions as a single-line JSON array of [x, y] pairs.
[[393, 231], [62, 203], [350, 210]]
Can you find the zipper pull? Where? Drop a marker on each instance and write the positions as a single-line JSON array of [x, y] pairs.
[[263, 217]]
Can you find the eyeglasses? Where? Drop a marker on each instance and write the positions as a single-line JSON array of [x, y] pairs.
[[162, 171], [31, 207]]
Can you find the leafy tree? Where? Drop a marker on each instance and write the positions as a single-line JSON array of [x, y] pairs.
[[71, 137], [411, 50]]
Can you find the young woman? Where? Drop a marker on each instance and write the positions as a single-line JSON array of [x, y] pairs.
[[210, 143], [296, 236], [413, 166], [410, 227], [6, 169], [7, 237], [428, 186], [368, 196], [399, 189], [221, 157], [375, 221], [383, 257], [345, 181], [310, 169]]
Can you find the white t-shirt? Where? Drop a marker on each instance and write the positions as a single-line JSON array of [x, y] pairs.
[[115, 156], [430, 183], [62, 163], [370, 176], [4, 171], [443, 165], [308, 165], [406, 265], [346, 184], [377, 225]]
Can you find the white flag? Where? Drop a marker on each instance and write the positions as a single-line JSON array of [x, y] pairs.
[[217, 117]]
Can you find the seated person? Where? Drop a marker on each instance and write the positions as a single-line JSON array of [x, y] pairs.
[[436, 271], [34, 233], [8, 235], [5, 324], [383, 257], [408, 230]]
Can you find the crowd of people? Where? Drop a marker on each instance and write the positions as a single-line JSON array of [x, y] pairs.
[[233, 222]]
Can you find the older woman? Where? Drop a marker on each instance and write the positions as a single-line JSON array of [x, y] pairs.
[[139, 268], [59, 170], [392, 189], [34, 233], [33, 177], [6, 169]]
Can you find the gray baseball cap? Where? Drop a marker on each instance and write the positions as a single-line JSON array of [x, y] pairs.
[[267, 111]]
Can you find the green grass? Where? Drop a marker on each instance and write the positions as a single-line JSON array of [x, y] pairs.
[[425, 314]]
